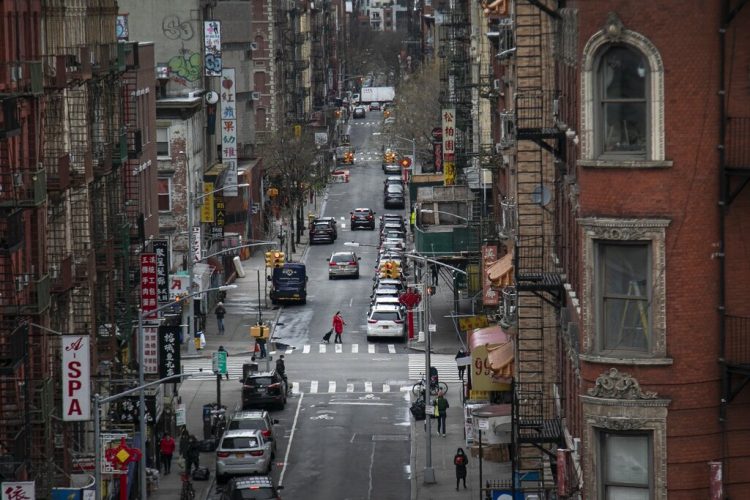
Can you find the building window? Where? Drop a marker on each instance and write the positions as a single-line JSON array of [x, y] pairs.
[[624, 303], [623, 96], [625, 466], [162, 142], [165, 194]]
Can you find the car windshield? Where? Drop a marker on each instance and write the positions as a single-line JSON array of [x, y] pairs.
[[239, 443], [259, 381], [247, 424], [343, 258], [254, 493], [385, 315], [322, 226], [361, 213]]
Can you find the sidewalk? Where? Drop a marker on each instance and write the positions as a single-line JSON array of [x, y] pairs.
[[236, 341]]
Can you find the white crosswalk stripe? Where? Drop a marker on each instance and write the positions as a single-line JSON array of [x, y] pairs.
[[445, 364], [355, 348], [368, 386], [331, 386], [313, 386]]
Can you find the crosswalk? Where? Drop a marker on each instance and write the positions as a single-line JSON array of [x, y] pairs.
[[200, 369]]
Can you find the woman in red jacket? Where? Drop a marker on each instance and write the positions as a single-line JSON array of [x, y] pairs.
[[166, 448], [338, 327]]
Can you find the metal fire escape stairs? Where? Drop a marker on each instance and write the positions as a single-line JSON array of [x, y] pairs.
[[537, 428]]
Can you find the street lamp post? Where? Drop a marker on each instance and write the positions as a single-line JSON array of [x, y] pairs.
[[195, 256], [141, 360]]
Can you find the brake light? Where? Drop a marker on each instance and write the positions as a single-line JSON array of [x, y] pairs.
[[332, 264], [370, 217], [372, 321], [274, 386], [256, 453], [266, 433], [352, 263], [398, 321], [222, 454]]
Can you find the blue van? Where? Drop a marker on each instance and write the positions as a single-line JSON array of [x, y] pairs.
[[289, 283]]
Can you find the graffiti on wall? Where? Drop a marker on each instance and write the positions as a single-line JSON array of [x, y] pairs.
[[185, 67], [176, 29]]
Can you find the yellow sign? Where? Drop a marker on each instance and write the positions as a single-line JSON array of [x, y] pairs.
[[473, 322], [449, 173], [207, 210], [298, 131], [481, 375]]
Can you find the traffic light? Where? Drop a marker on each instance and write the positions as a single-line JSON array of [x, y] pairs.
[[278, 259], [396, 269], [386, 113], [390, 269], [269, 259], [405, 162]]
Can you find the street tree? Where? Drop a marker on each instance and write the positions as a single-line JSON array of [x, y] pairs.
[[292, 166]]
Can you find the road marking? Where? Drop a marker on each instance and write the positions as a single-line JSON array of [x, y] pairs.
[[360, 403], [295, 388], [371, 348], [290, 350], [355, 348], [313, 386], [291, 439], [322, 348], [331, 386], [386, 388], [368, 386], [391, 349], [324, 416], [306, 349], [350, 387], [339, 348]]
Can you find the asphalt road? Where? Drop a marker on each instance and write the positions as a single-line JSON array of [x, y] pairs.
[[345, 431]]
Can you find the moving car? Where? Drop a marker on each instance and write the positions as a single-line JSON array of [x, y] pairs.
[[394, 197], [255, 420], [343, 264], [242, 452], [374, 106], [329, 220], [386, 321], [322, 232], [251, 487], [263, 389], [359, 112], [392, 168], [289, 283], [362, 217]]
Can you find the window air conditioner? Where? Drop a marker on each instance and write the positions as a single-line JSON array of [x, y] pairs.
[[255, 96]]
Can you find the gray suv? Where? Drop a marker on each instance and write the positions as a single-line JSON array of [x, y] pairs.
[[256, 420]]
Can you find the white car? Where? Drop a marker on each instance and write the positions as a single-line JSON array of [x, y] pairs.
[[386, 321], [241, 453]]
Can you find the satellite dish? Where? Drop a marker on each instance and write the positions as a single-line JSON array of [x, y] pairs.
[[541, 195], [212, 97]]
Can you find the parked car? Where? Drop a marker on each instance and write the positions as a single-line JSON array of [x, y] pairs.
[[396, 283], [392, 219], [383, 292], [386, 300], [263, 389], [255, 420], [386, 321], [359, 112], [392, 168], [394, 197], [392, 179], [242, 452], [374, 106], [329, 220], [343, 264], [322, 232], [362, 217], [251, 487], [392, 233]]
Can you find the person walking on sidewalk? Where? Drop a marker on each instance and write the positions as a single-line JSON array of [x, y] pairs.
[[193, 457], [221, 349], [461, 368], [166, 449], [220, 312], [441, 405], [338, 327], [460, 460]]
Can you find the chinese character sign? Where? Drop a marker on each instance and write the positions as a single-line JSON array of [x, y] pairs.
[[212, 48], [229, 130], [449, 134], [150, 358], [490, 296], [195, 243], [207, 209], [217, 229], [161, 249], [76, 378], [17, 490], [148, 283], [169, 351]]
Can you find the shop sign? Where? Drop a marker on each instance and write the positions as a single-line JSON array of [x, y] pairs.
[[169, 351], [76, 378], [150, 355], [161, 249], [229, 130], [18, 490], [148, 283]]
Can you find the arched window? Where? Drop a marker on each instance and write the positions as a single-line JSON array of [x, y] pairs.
[[623, 94]]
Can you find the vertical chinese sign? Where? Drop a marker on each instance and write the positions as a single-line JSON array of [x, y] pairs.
[[161, 249], [150, 357], [207, 209], [217, 229], [148, 284], [196, 243], [449, 146], [169, 351], [76, 378], [212, 48], [490, 297], [229, 131]]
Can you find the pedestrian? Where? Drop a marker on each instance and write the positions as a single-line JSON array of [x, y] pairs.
[[193, 455], [220, 312], [221, 349], [440, 407], [184, 442], [338, 327], [460, 460], [261, 347], [461, 368], [166, 450], [435, 271]]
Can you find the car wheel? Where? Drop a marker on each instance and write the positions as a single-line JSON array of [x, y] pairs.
[[356, 276], [220, 479], [330, 277]]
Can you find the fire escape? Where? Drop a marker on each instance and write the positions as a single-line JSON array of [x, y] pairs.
[[319, 57], [24, 282], [537, 428], [294, 66]]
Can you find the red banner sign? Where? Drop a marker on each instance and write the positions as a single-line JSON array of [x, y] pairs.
[[149, 289]]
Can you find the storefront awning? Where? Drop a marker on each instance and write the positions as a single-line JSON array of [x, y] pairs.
[[499, 349], [500, 272]]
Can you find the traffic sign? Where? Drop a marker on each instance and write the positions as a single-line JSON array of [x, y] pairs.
[[437, 133], [219, 362]]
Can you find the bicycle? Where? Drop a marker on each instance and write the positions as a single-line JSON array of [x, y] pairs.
[[435, 387], [187, 492]]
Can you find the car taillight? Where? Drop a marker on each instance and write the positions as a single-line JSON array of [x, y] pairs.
[[274, 386], [398, 321], [372, 321], [266, 433], [370, 217], [332, 264], [222, 454], [352, 262], [256, 453]]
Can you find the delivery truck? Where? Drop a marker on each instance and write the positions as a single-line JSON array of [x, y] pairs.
[[377, 94]]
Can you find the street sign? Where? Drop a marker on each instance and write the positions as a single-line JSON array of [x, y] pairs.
[[432, 328], [464, 361], [437, 134], [219, 362]]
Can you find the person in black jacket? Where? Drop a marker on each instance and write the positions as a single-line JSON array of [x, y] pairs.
[[220, 312], [460, 460], [193, 455]]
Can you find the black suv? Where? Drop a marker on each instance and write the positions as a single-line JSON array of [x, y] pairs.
[[251, 487], [363, 217], [263, 389], [321, 232], [328, 220]]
